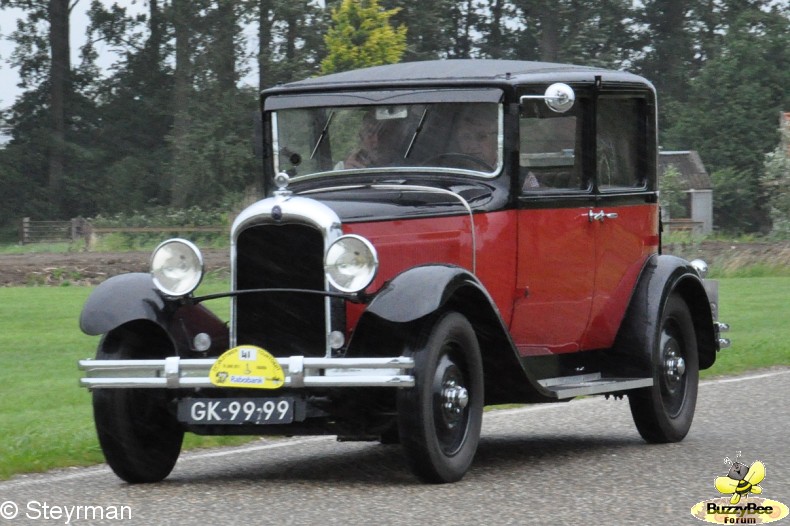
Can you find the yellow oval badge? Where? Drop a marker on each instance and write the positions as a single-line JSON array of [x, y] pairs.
[[247, 366], [751, 510]]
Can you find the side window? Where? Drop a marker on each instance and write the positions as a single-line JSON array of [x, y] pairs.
[[549, 149], [620, 143]]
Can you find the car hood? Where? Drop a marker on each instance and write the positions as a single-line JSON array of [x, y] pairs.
[[397, 201]]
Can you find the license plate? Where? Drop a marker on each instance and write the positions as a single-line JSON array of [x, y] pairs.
[[258, 411]]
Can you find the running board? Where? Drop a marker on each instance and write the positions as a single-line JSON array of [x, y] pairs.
[[591, 384]]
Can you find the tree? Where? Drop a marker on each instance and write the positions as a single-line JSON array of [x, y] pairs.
[[52, 121], [211, 138], [669, 48], [673, 198], [574, 31], [431, 30], [182, 16], [495, 45], [290, 35], [129, 169], [776, 185], [361, 35], [46, 61], [59, 80], [730, 115]]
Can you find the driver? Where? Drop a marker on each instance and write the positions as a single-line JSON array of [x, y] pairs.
[[477, 133]]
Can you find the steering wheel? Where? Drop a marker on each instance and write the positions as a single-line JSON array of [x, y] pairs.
[[462, 156]]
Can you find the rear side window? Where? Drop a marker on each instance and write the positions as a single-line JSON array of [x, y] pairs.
[[620, 143]]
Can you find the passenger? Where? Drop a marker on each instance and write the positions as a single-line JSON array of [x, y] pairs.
[[375, 148]]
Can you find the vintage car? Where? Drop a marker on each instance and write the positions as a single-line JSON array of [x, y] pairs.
[[435, 237]]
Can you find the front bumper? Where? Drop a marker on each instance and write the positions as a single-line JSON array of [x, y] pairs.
[[712, 289], [178, 373]]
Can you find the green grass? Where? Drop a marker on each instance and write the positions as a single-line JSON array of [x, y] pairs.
[[41, 248], [757, 270], [757, 311], [46, 418]]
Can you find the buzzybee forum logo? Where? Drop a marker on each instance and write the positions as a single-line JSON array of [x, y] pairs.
[[739, 506]]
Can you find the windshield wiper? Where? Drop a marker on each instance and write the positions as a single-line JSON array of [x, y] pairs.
[[417, 131], [323, 133]]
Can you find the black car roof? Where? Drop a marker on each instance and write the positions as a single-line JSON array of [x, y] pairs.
[[455, 72]]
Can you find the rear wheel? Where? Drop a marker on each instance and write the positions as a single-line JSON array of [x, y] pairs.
[[663, 413], [439, 419], [138, 433]]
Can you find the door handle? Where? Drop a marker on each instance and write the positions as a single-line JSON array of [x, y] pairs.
[[600, 215]]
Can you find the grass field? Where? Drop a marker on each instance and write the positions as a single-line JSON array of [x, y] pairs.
[[46, 418]]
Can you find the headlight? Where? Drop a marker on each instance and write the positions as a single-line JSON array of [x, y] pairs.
[[177, 267], [351, 263]]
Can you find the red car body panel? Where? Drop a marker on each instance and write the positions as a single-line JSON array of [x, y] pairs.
[[555, 280], [573, 277], [623, 244], [403, 244]]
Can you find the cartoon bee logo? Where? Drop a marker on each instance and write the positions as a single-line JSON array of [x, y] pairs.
[[741, 480]]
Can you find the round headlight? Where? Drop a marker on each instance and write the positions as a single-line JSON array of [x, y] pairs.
[[351, 263], [177, 267]]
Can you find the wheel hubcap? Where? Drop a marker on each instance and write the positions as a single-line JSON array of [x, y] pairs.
[[450, 402], [674, 366], [673, 362], [455, 397]]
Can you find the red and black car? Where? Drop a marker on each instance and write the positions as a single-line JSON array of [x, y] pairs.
[[435, 237]]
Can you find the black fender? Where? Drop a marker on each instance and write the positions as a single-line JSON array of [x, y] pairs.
[[121, 299], [133, 302], [406, 306], [661, 276]]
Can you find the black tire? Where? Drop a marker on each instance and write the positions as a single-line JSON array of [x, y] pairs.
[[663, 413], [439, 419], [138, 433]]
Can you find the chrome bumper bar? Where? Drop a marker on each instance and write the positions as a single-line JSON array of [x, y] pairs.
[[177, 373], [724, 343], [712, 289]]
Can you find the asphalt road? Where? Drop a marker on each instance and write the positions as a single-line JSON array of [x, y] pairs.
[[575, 463]]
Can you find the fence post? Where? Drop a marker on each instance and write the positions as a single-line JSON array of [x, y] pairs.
[[25, 233], [77, 228], [87, 233]]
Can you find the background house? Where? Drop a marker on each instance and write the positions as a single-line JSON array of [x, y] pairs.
[[696, 183]]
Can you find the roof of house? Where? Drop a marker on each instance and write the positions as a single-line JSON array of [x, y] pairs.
[[689, 164]]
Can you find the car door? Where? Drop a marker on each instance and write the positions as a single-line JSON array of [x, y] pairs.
[[556, 241], [625, 215]]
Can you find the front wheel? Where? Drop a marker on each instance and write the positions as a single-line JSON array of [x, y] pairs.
[[439, 419], [139, 436], [663, 413]]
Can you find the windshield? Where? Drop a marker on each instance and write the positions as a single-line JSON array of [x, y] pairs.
[[460, 137]]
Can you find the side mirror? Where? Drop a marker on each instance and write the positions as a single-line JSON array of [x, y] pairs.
[[559, 97]]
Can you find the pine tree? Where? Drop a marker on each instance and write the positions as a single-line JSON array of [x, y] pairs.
[[361, 35], [44, 61]]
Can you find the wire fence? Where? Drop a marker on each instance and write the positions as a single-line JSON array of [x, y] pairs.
[[79, 229]]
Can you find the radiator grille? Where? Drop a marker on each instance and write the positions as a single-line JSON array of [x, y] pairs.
[[281, 256]]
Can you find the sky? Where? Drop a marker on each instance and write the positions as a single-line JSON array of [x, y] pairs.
[[8, 77], [8, 17], [79, 23]]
